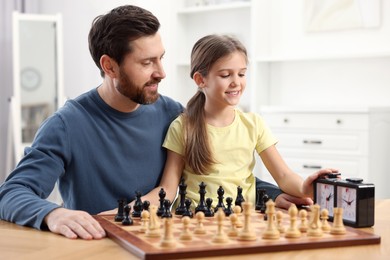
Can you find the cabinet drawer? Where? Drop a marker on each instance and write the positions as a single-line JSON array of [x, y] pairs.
[[352, 143], [356, 168], [316, 120]]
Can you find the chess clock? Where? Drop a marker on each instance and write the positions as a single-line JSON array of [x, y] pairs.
[[352, 195], [324, 194]]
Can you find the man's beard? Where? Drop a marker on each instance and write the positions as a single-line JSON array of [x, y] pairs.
[[137, 94]]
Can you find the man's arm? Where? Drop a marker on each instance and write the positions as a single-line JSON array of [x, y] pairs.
[[281, 199]]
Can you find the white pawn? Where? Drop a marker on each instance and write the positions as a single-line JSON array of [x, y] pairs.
[[279, 219], [237, 211], [144, 221], [167, 239], [154, 224], [199, 227], [293, 230], [304, 226], [233, 228], [324, 220], [186, 234]]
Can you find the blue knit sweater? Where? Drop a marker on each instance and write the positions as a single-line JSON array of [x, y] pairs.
[[97, 154]]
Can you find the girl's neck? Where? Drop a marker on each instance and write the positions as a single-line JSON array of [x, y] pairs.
[[220, 117]]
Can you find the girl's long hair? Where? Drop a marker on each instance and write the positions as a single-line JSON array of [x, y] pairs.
[[198, 154]]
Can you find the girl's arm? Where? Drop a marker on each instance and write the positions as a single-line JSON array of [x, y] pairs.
[[286, 179], [174, 166]]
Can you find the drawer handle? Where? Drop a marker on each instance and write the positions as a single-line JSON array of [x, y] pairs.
[[311, 166], [312, 141]]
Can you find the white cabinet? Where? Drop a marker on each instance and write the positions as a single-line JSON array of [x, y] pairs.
[[288, 65], [355, 141]]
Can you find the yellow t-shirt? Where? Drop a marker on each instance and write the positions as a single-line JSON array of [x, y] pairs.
[[233, 148]]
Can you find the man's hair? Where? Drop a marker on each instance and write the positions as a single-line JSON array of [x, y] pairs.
[[112, 33]]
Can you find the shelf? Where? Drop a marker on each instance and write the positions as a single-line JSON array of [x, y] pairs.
[[215, 7], [287, 58]]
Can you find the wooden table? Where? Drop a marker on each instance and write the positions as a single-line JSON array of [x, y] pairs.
[[18, 242]]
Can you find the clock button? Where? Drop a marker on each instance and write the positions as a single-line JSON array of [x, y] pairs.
[[354, 180], [333, 175]]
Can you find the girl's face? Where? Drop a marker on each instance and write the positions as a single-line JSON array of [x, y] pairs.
[[226, 81]]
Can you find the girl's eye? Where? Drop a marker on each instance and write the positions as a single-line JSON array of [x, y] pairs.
[[241, 74], [225, 76]]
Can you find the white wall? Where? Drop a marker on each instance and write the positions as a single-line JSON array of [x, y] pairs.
[[339, 68], [80, 72]]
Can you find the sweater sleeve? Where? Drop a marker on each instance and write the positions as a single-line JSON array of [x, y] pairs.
[[272, 191], [23, 194]]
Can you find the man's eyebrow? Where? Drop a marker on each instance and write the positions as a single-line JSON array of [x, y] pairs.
[[154, 57]]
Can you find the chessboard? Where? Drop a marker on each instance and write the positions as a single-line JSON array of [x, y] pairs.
[[203, 245]]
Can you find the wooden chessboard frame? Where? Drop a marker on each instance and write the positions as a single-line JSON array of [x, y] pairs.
[[145, 250]]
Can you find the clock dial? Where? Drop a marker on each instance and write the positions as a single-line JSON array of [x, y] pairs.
[[30, 79], [346, 199], [325, 196]]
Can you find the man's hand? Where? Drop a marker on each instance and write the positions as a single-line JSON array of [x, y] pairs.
[[74, 224], [285, 200]]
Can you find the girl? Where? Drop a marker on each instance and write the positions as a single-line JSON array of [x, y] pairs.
[[213, 141]]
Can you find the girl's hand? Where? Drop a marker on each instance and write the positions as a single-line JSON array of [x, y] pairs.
[[307, 188]]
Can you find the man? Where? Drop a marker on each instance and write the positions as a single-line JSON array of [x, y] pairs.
[[105, 144]]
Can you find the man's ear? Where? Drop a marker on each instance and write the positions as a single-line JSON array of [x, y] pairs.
[[199, 79], [109, 66]]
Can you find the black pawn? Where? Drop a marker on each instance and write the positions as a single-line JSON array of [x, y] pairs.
[[259, 198], [146, 205], [220, 204], [137, 208], [228, 209], [167, 209], [127, 221], [120, 214], [182, 193], [209, 211], [187, 211], [162, 195], [239, 199], [264, 205], [202, 192]]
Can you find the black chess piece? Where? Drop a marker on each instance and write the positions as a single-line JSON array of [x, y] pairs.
[[120, 214], [259, 198], [127, 221], [228, 209], [167, 209], [265, 198], [239, 199], [182, 193], [202, 192], [137, 208], [187, 211], [146, 205], [209, 211], [220, 204], [162, 195]]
